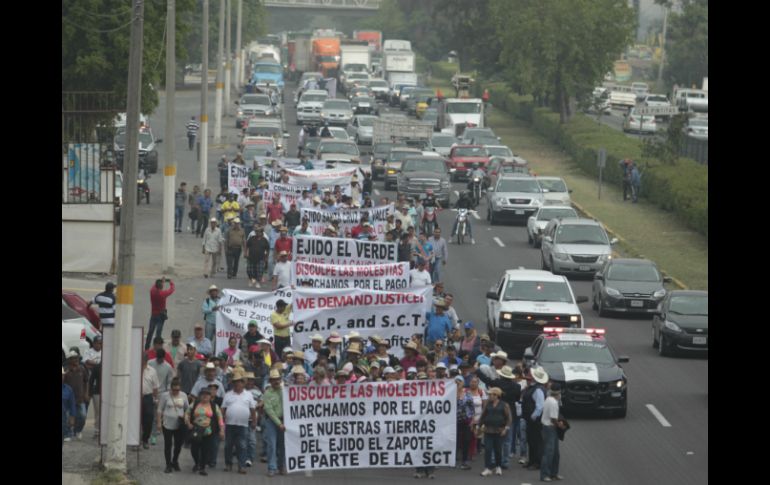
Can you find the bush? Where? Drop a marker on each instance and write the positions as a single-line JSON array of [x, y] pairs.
[[680, 188]]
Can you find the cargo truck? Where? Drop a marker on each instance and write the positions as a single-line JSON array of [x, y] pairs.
[[326, 55], [372, 37]]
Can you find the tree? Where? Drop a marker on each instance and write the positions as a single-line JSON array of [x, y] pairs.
[[668, 148], [95, 46], [687, 46], [560, 50]]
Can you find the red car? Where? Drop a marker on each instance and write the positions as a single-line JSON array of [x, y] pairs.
[[462, 158], [77, 303]]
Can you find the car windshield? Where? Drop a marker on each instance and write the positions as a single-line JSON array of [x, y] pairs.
[[463, 108], [357, 75], [332, 147], [276, 69], [382, 148], [378, 84], [145, 139], [339, 133], [661, 99], [470, 152], [263, 131], [580, 234], [576, 351], [553, 185], [424, 166], [442, 141], [529, 186], [363, 100], [690, 305], [633, 272], [261, 100], [548, 214], [336, 105], [400, 156], [700, 123], [538, 291], [260, 150], [499, 151], [354, 67], [366, 121], [478, 133], [314, 97]]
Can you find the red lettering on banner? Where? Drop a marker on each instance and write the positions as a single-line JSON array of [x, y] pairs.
[[304, 303]]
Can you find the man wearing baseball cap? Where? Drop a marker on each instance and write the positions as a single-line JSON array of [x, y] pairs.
[[274, 427], [236, 243], [281, 325]]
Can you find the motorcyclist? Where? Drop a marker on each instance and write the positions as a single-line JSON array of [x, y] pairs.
[[463, 202], [431, 201], [476, 171]]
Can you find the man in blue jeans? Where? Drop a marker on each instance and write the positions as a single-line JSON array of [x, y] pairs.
[[158, 314], [77, 379], [240, 417], [180, 198], [274, 427], [549, 465]]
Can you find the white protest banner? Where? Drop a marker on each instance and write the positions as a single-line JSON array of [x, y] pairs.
[[335, 250], [381, 277], [289, 194], [370, 425], [395, 316], [239, 307], [324, 178], [237, 177], [349, 218]]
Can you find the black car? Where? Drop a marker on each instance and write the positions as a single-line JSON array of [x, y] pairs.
[[628, 286], [682, 322], [582, 362]]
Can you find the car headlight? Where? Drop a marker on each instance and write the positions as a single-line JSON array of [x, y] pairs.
[[501, 200], [561, 256], [444, 185], [506, 316], [617, 384], [672, 326], [660, 293], [240, 113], [391, 171], [323, 114], [574, 318], [602, 258], [611, 291]]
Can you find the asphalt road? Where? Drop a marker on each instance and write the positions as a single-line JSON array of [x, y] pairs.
[[635, 450]]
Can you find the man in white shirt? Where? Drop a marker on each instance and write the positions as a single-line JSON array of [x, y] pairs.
[[282, 271], [405, 218], [419, 276], [212, 248], [239, 409], [549, 465], [311, 354], [150, 386]]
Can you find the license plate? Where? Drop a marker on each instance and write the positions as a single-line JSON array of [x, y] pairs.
[[699, 340], [637, 303], [519, 213], [584, 268]]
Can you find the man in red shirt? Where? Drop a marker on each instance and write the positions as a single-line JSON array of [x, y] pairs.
[[157, 344], [284, 242], [159, 315], [275, 210], [356, 231]]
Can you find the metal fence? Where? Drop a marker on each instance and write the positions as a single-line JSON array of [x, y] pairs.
[[696, 149], [87, 138]]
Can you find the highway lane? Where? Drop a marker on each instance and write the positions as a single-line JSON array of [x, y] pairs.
[[637, 449]]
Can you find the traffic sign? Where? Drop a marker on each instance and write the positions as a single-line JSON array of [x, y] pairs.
[[657, 111]]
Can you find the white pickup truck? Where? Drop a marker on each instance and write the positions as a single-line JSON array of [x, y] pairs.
[[692, 100], [623, 96]]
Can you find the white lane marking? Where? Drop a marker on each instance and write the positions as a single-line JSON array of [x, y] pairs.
[[663, 422], [376, 192], [499, 242], [476, 216]]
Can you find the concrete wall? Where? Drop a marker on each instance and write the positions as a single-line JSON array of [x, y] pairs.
[[88, 238]]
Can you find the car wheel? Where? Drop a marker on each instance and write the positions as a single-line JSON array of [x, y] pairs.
[[663, 350], [654, 338], [601, 310]]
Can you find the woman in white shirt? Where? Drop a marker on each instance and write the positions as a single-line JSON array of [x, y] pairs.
[[171, 410]]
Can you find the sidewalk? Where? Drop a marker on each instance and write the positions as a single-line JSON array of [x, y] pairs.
[[643, 229]]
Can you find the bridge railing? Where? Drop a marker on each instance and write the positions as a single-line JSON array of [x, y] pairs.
[[330, 4]]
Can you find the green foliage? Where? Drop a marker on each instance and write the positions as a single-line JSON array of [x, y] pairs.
[[668, 148], [560, 50], [95, 46], [687, 49]]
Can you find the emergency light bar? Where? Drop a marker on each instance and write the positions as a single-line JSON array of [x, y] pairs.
[[589, 331]]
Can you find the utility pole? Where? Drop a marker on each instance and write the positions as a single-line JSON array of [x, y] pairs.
[[204, 137], [220, 47], [121, 357], [169, 173], [228, 56], [663, 46], [238, 58]]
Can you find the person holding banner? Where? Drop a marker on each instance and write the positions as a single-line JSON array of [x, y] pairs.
[[281, 324], [274, 427], [495, 420]]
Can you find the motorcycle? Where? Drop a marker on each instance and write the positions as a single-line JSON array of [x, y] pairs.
[[429, 222], [142, 187], [462, 223], [476, 183]]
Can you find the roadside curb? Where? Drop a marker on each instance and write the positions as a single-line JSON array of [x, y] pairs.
[[613, 233]]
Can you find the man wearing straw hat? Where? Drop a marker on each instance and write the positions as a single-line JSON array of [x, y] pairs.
[[316, 344], [274, 427], [511, 395], [239, 410]]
